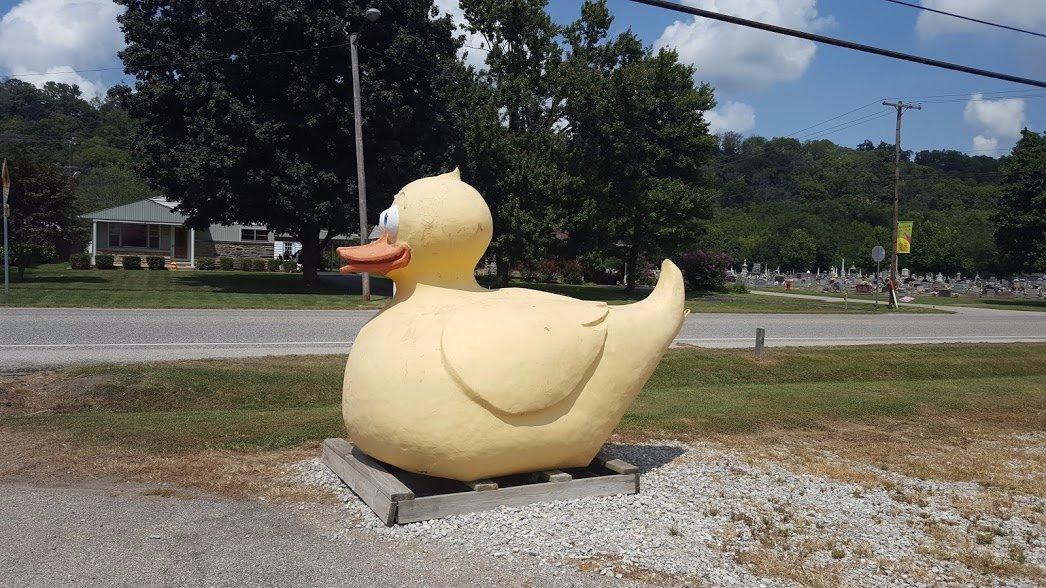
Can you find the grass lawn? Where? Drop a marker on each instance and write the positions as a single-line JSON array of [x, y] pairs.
[[277, 402], [55, 285], [1025, 304]]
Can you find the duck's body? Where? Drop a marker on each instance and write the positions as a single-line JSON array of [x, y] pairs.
[[457, 381]]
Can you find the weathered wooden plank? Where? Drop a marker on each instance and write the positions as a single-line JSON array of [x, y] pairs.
[[434, 507], [367, 478], [552, 476], [386, 483], [615, 465], [482, 485]]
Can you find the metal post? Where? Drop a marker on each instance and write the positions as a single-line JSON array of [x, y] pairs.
[[361, 182], [877, 286], [760, 336], [6, 180]]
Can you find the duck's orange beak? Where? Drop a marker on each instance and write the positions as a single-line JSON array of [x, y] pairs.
[[379, 257]]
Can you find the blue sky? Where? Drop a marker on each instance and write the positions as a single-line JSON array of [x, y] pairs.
[[766, 84]]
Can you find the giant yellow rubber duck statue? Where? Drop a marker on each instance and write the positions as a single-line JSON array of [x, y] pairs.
[[461, 382]]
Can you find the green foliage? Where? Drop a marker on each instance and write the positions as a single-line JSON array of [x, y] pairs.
[[272, 141], [131, 262], [738, 288], [1021, 208], [226, 263], [547, 271], [43, 213], [156, 262], [704, 271], [206, 263], [104, 261], [80, 261], [572, 272], [272, 265], [289, 266]]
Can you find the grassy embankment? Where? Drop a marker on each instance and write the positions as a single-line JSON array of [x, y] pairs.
[[922, 300], [56, 285]]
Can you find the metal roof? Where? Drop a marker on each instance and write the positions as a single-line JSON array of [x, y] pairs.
[[148, 210]]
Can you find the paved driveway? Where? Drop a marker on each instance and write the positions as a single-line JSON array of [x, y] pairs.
[[36, 338]]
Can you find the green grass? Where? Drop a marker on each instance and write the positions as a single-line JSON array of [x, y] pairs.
[[718, 302], [275, 402], [1025, 304], [55, 285]]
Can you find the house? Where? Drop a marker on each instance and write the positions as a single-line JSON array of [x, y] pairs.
[[152, 227]]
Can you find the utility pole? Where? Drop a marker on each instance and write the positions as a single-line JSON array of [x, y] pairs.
[[901, 107], [6, 179], [361, 179]]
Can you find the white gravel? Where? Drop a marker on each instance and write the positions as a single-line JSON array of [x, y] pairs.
[[707, 516]]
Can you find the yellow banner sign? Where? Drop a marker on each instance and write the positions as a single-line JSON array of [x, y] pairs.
[[904, 236]]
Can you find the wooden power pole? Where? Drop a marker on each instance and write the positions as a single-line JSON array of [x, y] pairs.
[[901, 107]]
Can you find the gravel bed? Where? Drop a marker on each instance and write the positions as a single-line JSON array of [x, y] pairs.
[[708, 516]]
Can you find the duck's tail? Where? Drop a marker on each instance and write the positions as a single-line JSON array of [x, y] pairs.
[[660, 316]]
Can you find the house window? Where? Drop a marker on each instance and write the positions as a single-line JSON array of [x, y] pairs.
[[254, 234], [114, 235], [134, 236], [154, 236]]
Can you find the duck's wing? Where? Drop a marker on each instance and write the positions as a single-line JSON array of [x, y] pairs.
[[521, 355]]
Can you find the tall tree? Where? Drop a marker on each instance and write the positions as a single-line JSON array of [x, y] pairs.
[[245, 109], [1021, 210], [511, 152], [640, 137], [43, 213]]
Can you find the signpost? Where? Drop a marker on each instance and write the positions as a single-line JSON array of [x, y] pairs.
[[7, 213], [878, 254]]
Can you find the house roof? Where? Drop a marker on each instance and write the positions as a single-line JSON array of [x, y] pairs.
[[147, 210]]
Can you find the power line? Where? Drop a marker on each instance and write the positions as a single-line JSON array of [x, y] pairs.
[[843, 126], [969, 18], [839, 42], [793, 133]]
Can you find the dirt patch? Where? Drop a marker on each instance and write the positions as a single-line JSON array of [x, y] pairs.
[[55, 459], [53, 392]]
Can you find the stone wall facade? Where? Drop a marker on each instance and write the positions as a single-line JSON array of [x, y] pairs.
[[242, 250]]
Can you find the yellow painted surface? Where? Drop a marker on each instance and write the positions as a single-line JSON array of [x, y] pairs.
[[458, 381]]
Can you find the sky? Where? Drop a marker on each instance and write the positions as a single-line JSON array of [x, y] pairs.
[[766, 84]]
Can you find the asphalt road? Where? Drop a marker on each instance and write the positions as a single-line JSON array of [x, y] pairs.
[[34, 338], [118, 536]]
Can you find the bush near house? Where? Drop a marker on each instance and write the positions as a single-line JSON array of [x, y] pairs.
[[226, 263], [206, 263], [573, 272], [704, 270], [80, 261], [155, 262], [273, 265], [289, 266], [104, 261], [132, 262], [547, 271]]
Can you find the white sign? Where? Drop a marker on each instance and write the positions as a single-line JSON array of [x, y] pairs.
[[878, 253]]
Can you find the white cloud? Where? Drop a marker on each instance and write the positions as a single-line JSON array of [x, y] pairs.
[[473, 52], [40, 36], [732, 116], [1027, 14], [1003, 117], [982, 143], [741, 58]]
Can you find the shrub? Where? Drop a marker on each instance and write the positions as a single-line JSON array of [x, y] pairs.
[[261, 265], [246, 265], [104, 261], [573, 272], [226, 263], [600, 269], [704, 270], [547, 271], [645, 273], [131, 262], [273, 265], [289, 266], [156, 262], [739, 287], [80, 261], [206, 263]]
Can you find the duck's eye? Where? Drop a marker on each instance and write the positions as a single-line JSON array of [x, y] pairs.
[[389, 221]]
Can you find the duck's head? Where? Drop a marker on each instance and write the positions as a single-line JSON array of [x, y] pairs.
[[436, 231]]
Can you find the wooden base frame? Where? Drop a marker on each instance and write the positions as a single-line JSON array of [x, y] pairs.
[[400, 497]]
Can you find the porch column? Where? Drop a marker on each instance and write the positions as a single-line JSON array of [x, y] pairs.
[[171, 249], [94, 240], [192, 248]]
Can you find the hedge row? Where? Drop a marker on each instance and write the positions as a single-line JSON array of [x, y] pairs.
[[247, 265]]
